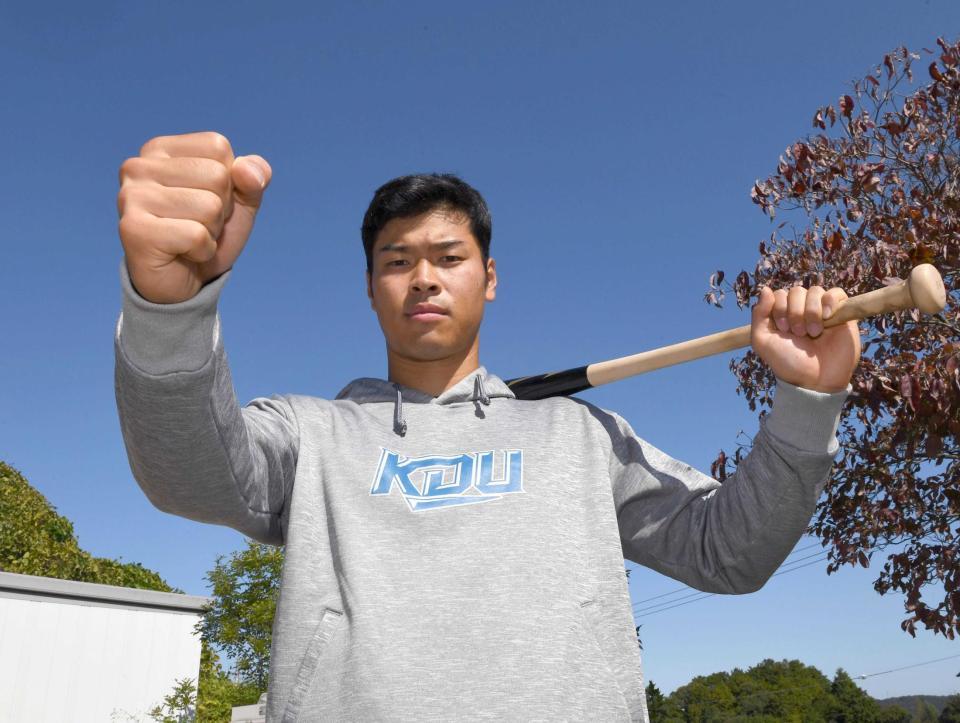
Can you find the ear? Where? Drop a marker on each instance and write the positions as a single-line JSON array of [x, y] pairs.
[[491, 292]]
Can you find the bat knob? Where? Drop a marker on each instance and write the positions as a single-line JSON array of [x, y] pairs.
[[927, 289]]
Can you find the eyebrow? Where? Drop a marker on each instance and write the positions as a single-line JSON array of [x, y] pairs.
[[434, 245]]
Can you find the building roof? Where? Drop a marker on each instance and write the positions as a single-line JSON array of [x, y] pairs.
[[49, 589]]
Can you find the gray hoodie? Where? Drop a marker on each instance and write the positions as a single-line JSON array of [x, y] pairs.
[[459, 557]]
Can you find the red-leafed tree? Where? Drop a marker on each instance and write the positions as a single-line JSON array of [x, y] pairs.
[[877, 189]]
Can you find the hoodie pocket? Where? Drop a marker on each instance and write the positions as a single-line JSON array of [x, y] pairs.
[[325, 629], [589, 613]]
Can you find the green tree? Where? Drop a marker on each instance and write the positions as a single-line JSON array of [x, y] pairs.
[[951, 711], [771, 692], [660, 708], [851, 703], [785, 690], [924, 713], [705, 698], [894, 714], [178, 707], [217, 693], [245, 586], [876, 193], [35, 540], [655, 699]]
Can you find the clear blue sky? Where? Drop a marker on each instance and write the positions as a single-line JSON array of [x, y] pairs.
[[616, 143]]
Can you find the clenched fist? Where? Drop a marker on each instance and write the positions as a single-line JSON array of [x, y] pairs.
[[787, 333], [186, 207]]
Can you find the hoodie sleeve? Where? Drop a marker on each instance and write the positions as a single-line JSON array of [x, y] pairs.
[[192, 449], [727, 538]]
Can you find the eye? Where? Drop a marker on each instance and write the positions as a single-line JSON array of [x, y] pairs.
[[396, 262], [450, 258]]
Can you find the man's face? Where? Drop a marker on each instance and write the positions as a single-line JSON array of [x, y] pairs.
[[428, 285]]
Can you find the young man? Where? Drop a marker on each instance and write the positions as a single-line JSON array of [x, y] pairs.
[[451, 552]]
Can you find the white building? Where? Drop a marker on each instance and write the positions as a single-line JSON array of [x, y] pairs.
[[255, 713], [78, 651]]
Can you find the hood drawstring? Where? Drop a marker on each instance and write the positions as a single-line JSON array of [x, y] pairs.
[[479, 392], [480, 396], [399, 423]]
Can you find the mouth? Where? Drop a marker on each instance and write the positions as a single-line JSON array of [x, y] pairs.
[[427, 313]]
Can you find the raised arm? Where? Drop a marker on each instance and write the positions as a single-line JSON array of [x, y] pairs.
[[727, 538], [187, 207]]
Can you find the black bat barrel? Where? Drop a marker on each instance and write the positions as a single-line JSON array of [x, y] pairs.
[[553, 384]]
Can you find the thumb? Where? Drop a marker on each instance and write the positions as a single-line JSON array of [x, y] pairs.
[[250, 175], [764, 304], [763, 308]]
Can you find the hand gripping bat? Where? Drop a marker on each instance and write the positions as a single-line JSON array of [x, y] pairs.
[[923, 290]]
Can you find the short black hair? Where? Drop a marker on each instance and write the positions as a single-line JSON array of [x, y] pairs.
[[418, 193]]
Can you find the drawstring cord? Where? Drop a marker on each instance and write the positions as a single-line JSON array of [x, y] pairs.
[[479, 392], [479, 396], [399, 423]]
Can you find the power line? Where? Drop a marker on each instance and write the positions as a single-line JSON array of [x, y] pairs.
[[653, 611], [656, 605], [687, 587], [814, 562], [655, 597], [670, 607], [915, 665]]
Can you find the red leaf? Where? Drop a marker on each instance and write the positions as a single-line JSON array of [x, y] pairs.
[[863, 559], [833, 242], [889, 63], [910, 390], [846, 105], [935, 72]]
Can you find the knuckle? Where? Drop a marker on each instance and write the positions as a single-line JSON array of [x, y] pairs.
[[219, 143], [125, 197], [198, 234], [128, 169], [220, 178], [123, 226], [151, 145], [129, 229], [212, 206]]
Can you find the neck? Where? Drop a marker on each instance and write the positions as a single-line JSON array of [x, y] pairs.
[[433, 376]]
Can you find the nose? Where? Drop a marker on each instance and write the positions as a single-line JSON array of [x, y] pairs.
[[424, 278]]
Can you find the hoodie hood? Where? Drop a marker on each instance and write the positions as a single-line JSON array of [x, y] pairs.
[[479, 386]]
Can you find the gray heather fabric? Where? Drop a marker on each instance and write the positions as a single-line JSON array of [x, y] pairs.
[[470, 567]]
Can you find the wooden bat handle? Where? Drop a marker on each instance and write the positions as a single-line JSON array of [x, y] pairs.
[[923, 290]]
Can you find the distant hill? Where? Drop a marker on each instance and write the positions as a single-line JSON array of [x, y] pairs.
[[909, 702], [786, 690], [35, 540]]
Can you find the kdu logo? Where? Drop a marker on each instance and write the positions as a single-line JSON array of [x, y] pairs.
[[434, 481]]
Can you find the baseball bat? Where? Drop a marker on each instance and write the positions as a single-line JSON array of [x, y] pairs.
[[923, 289]]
